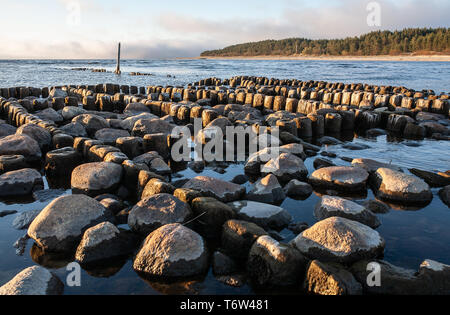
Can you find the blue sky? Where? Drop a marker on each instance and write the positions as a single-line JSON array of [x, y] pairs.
[[176, 28]]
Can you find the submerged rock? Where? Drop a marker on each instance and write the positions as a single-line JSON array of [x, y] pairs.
[[271, 263], [372, 166], [35, 280], [39, 134], [20, 183], [432, 179], [339, 240], [330, 279], [444, 193], [21, 145], [351, 179], [156, 211], [265, 215], [223, 265], [398, 187], [330, 206], [216, 188], [172, 251], [60, 226]]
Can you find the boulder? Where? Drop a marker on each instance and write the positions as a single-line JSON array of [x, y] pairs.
[[172, 251], [267, 190], [104, 241], [70, 112], [372, 166], [342, 178], [6, 130], [109, 135], [153, 212], [92, 123], [398, 187], [61, 162], [271, 263], [329, 206], [297, 189], [23, 220], [238, 238], [216, 188], [49, 114], [20, 183], [143, 127], [129, 122], [444, 193], [34, 280], [432, 179], [74, 129], [21, 145], [10, 163], [339, 240], [286, 167], [212, 214], [330, 279], [156, 186], [96, 178], [265, 215], [60, 226]]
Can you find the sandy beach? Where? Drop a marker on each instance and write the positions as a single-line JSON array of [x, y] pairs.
[[431, 58]]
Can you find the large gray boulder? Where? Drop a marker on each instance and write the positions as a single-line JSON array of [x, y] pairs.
[[96, 178], [92, 123], [212, 214], [70, 112], [74, 129], [372, 166], [398, 187], [150, 126], [6, 130], [339, 240], [20, 183], [271, 263], [34, 280], [60, 225], [49, 114], [153, 212], [21, 145], [129, 122], [330, 279], [110, 135], [343, 178], [265, 215], [330, 206], [172, 251], [41, 135], [104, 241], [216, 188]]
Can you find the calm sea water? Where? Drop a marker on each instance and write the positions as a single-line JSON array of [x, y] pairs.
[[412, 235], [37, 73]]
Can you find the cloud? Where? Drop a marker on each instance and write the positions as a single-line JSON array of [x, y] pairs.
[[174, 33]]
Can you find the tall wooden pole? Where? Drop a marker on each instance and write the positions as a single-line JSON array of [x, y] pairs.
[[118, 61]]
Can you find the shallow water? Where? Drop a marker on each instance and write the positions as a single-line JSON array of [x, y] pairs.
[[412, 235]]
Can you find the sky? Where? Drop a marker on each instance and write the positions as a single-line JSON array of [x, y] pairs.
[[91, 29]]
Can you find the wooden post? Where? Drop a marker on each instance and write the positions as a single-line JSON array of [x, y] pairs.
[[118, 61]]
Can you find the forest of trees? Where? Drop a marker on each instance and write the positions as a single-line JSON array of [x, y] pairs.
[[411, 40]]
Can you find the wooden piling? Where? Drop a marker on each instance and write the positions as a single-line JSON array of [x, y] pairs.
[[118, 61]]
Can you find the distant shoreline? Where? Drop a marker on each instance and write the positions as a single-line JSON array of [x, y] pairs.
[[431, 58]]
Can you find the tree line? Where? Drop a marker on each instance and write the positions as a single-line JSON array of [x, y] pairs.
[[410, 40]]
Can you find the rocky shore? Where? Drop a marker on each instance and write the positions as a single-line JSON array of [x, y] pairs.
[[111, 145]]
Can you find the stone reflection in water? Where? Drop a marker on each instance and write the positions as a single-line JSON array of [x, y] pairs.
[[105, 269], [183, 287], [50, 260]]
